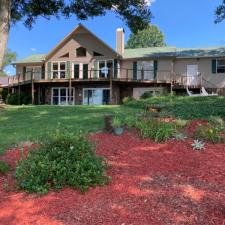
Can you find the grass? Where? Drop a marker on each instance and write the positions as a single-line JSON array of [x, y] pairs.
[[186, 107], [21, 123]]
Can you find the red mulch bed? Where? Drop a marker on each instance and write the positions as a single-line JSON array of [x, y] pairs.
[[151, 184]]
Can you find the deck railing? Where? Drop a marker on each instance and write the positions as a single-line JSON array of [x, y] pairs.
[[162, 76]]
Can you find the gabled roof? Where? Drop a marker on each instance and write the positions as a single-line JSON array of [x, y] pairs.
[[156, 52], [70, 35], [37, 58]]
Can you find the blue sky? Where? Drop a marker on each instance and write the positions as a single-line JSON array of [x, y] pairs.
[[185, 23]]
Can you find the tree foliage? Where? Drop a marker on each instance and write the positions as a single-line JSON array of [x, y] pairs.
[[9, 57], [135, 13], [220, 12], [149, 37]]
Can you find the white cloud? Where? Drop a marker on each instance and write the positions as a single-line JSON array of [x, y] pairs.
[[33, 49], [149, 2]]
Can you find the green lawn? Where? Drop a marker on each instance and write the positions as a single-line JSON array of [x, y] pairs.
[[20, 123], [186, 107]]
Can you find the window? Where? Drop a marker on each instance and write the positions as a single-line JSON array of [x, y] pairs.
[[76, 71], [220, 66], [61, 96], [81, 52], [80, 71], [97, 54], [105, 68], [85, 71], [58, 70], [67, 55], [145, 70], [37, 72]]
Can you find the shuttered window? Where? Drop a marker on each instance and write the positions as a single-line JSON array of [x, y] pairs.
[[135, 70]]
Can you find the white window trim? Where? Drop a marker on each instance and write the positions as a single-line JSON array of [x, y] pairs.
[[217, 65], [92, 90], [58, 71], [81, 74], [31, 67], [105, 60], [73, 102]]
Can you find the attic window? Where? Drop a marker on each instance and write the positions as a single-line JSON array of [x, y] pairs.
[[81, 52], [67, 55], [97, 54]]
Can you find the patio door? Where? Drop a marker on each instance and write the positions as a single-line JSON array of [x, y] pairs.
[[96, 96], [192, 75]]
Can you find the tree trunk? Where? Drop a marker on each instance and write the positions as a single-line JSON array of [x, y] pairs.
[[5, 13]]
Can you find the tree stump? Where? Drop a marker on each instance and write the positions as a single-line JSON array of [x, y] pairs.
[[108, 123]]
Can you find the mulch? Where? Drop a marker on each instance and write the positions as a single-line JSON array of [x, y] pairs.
[[152, 184]]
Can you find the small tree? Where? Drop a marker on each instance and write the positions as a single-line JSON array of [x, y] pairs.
[[149, 37], [9, 57]]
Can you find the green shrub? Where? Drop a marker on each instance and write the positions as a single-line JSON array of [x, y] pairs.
[[181, 123], [127, 100], [130, 121], [156, 130], [217, 122], [211, 134], [4, 94], [3, 167], [146, 95], [13, 99], [62, 159], [116, 122], [180, 136]]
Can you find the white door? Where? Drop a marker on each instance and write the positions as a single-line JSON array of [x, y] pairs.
[[192, 75]]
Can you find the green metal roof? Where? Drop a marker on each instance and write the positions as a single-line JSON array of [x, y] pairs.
[[150, 52], [32, 59], [155, 52], [200, 52]]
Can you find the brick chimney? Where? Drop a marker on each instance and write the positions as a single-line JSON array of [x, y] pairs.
[[120, 40]]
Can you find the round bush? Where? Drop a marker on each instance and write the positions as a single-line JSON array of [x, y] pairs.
[[3, 167], [61, 160]]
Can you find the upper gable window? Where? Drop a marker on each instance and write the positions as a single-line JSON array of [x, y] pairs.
[[97, 54], [81, 52]]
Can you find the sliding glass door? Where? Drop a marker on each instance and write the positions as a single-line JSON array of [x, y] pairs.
[[61, 96], [96, 96]]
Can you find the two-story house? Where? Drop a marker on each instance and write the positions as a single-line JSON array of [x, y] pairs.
[[82, 69]]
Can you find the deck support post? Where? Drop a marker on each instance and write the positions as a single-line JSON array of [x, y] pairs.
[[70, 89], [19, 91], [111, 86], [39, 94], [32, 87]]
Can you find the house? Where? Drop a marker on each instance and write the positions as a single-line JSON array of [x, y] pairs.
[[82, 69], [3, 82]]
